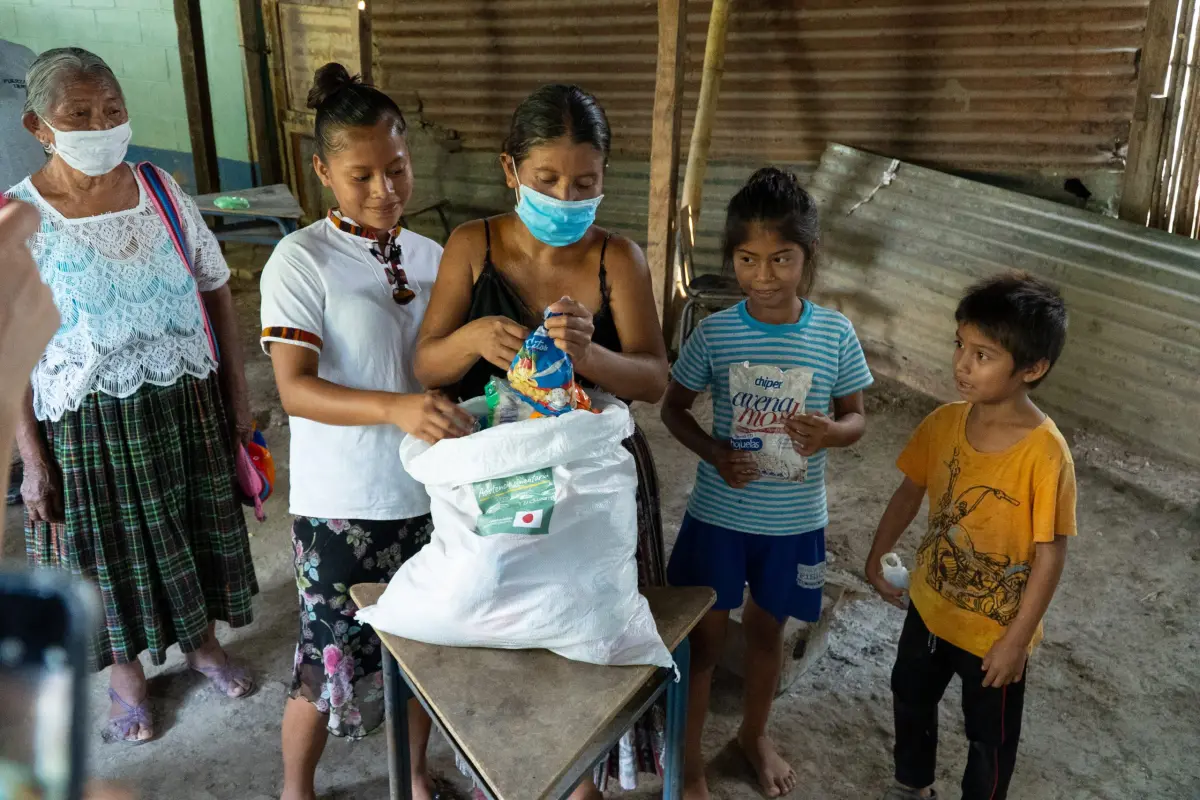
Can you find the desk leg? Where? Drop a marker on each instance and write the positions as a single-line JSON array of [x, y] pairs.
[[396, 695], [285, 226], [677, 700]]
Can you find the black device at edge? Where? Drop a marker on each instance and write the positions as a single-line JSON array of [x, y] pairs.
[[48, 620]]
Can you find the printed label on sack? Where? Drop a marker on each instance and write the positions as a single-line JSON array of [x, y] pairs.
[[763, 399], [521, 504]]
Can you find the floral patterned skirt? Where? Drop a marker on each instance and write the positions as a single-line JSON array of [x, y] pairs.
[[339, 663]]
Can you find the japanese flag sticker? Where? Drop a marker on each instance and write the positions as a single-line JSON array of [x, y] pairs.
[[528, 519]]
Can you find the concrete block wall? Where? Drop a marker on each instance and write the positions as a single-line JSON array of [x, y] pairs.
[[138, 39]]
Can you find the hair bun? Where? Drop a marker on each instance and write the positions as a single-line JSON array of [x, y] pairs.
[[328, 81], [775, 180]]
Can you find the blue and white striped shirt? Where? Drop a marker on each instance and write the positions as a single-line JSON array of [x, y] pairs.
[[823, 341]]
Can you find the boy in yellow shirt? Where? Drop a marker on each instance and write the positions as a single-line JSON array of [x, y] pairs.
[[1001, 488]]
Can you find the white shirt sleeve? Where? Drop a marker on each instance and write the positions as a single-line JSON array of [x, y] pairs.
[[293, 299], [207, 262]]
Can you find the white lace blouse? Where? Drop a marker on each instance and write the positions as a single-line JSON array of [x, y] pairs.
[[129, 309]]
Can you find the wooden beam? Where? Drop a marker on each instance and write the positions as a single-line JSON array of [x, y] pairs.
[[365, 50], [1142, 164], [1186, 221], [664, 157], [279, 97], [194, 68], [262, 131], [706, 106]]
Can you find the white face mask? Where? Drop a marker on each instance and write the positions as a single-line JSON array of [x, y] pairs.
[[93, 153]]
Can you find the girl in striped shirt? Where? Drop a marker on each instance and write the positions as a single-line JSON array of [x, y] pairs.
[[741, 529]]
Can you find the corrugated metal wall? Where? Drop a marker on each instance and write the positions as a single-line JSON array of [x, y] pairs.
[[1023, 89], [303, 35], [897, 264], [984, 85]]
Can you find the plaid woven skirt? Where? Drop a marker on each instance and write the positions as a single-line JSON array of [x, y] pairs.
[[151, 517]]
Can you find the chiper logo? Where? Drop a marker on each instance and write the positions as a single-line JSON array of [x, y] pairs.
[[767, 383]]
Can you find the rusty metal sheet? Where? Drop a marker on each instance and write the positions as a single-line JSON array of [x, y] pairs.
[[1000, 85], [313, 35], [897, 256]]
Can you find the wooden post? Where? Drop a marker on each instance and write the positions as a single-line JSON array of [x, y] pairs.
[[194, 68], [1143, 165], [366, 56], [1187, 218], [664, 156], [710, 87], [1179, 139], [258, 109]]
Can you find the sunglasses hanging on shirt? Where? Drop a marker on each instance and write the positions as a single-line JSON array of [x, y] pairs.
[[387, 252]]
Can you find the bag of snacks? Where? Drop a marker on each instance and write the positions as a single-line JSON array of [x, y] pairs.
[[763, 398], [543, 376]]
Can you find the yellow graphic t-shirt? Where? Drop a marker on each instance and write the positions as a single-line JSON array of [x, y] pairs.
[[987, 511]]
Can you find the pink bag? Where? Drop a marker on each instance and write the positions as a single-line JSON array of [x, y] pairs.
[[250, 481]]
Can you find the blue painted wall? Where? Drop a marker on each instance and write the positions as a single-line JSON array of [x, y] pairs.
[[139, 40], [234, 174]]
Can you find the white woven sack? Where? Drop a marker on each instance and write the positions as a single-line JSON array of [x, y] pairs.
[[534, 539]]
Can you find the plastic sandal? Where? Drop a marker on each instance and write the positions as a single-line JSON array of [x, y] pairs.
[[229, 676], [119, 728]]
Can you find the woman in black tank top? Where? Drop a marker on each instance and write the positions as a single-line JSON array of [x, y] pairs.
[[498, 275]]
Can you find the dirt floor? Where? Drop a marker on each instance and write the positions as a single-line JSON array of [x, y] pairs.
[[1112, 712]]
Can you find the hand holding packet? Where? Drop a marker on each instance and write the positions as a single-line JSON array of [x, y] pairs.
[[764, 398], [544, 377]]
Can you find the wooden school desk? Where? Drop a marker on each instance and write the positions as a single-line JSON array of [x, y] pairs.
[[532, 724]]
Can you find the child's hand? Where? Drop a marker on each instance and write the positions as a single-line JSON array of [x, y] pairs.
[[808, 432], [1005, 662], [736, 467], [897, 597]]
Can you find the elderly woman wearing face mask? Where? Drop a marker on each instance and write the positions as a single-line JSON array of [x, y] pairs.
[[128, 431]]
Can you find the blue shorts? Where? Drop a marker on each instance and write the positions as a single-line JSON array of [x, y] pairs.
[[786, 574]]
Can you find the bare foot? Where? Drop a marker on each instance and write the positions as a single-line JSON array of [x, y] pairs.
[[695, 787], [106, 791], [288, 794], [586, 790], [775, 776], [422, 788]]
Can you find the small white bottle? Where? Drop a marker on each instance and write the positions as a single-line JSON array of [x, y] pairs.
[[894, 571]]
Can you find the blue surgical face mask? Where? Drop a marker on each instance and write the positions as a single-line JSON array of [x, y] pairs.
[[555, 222]]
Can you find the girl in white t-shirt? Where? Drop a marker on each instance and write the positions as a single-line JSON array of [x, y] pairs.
[[342, 302]]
